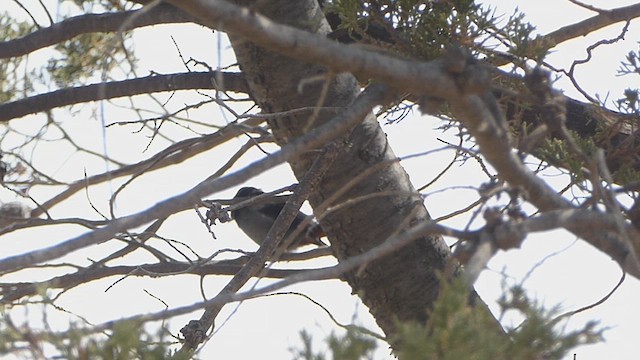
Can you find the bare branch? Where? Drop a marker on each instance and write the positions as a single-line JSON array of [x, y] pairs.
[[14, 291], [603, 19], [91, 23], [551, 220], [109, 90]]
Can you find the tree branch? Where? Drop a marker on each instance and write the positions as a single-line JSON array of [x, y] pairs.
[[426, 78], [584, 27], [431, 78], [545, 222], [10, 292], [92, 23], [419, 78], [154, 83], [173, 154]]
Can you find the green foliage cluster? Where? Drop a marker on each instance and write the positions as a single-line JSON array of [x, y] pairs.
[[537, 336], [127, 341], [458, 331], [517, 34], [84, 56], [626, 175], [557, 152], [455, 331], [630, 102], [423, 30], [353, 345], [417, 29], [72, 62], [13, 80]]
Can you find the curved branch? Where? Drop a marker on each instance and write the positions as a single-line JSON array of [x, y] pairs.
[[155, 83], [91, 23], [584, 27]]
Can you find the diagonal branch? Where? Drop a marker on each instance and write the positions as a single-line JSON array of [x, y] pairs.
[[596, 22], [418, 78], [154, 83]]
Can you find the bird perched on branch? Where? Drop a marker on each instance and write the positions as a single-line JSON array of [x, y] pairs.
[[256, 220]]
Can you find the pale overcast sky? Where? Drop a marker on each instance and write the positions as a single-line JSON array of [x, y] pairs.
[[267, 327]]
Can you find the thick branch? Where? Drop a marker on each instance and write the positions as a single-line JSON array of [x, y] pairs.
[[109, 90], [92, 23], [418, 77]]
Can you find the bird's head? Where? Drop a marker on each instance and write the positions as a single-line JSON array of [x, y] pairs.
[[248, 192]]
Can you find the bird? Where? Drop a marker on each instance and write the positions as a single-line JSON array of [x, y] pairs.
[[256, 220]]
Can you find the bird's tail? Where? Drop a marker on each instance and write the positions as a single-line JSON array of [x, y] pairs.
[[313, 235]]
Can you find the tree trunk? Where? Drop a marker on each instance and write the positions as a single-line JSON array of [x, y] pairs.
[[402, 286]]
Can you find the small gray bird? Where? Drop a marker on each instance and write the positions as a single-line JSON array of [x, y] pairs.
[[256, 220]]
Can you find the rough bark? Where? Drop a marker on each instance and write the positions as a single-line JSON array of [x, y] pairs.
[[399, 287]]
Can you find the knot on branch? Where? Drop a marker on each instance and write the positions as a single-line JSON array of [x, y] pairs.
[[552, 104], [470, 75], [215, 212], [194, 333], [504, 234], [508, 236]]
